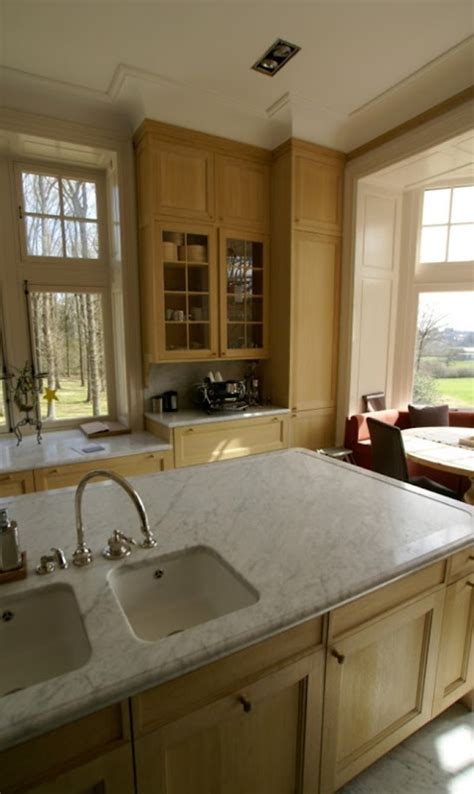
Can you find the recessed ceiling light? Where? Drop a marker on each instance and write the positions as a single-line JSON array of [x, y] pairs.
[[275, 57]]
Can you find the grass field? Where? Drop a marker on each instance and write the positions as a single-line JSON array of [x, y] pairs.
[[71, 402], [458, 392], [453, 365]]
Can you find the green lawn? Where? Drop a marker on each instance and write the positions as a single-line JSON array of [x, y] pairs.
[[456, 391], [453, 365], [71, 402]]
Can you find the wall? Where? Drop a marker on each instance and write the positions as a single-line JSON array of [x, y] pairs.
[[181, 378]]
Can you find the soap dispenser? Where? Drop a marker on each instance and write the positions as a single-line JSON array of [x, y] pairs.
[[10, 554]]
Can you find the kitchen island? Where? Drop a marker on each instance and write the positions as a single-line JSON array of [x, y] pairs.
[[308, 534]]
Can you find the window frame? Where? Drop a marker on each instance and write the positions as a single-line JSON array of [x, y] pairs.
[[62, 172], [449, 224]]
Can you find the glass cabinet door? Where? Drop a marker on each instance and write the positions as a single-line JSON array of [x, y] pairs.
[[244, 276], [189, 289]]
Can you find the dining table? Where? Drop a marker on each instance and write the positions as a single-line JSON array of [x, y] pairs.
[[448, 449]]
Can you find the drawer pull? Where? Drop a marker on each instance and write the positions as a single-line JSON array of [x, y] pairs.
[[190, 430], [275, 419], [151, 455], [53, 471], [471, 557], [339, 656], [246, 704], [470, 584], [6, 478]]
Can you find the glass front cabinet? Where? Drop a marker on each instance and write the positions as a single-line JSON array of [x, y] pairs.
[[209, 309]]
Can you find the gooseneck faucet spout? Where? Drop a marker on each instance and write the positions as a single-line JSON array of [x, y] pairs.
[[83, 555]]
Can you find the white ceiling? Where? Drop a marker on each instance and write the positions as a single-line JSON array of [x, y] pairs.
[[365, 65]]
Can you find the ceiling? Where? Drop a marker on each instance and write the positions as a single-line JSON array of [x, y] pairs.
[[364, 67]]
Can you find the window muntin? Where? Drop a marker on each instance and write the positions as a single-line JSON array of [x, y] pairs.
[[444, 353], [447, 225], [60, 215], [70, 346]]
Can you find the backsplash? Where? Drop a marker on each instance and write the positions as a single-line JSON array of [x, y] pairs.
[[181, 378]]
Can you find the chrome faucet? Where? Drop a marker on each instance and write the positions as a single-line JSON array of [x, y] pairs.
[[83, 555]]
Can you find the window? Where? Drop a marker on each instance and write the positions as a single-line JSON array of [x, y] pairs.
[[60, 216], [69, 346], [444, 359], [447, 226]]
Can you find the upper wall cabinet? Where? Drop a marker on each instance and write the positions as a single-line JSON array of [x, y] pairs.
[[243, 193], [317, 186], [184, 182]]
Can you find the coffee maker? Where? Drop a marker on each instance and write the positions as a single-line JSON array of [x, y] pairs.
[[225, 395]]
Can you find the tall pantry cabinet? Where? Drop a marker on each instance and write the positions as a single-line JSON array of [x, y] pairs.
[[306, 229]]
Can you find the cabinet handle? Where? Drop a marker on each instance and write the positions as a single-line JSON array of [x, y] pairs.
[[471, 557], [6, 478], [246, 704], [189, 430], [339, 656], [470, 584], [53, 471], [151, 455], [275, 419]]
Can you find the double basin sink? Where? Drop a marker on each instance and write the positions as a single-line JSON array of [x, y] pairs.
[[42, 634]]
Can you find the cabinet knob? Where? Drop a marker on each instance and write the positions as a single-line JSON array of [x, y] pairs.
[[246, 704], [190, 430], [151, 455], [275, 419], [339, 656]]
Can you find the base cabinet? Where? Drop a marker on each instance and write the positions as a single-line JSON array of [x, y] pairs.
[[16, 483], [455, 676], [379, 687], [260, 739]]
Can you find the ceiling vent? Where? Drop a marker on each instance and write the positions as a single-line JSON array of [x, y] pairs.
[[275, 57]]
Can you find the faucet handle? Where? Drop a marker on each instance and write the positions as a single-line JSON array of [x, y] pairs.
[[118, 546], [48, 562]]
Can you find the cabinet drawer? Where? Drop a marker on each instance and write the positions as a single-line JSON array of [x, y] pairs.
[[129, 466], [224, 440], [461, 564], [176, 698], [16, 483], [67, 747], [386, 598]]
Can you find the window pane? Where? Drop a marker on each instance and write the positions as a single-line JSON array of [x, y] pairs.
[[79, 198], [433, 244], [41, 194], [68, 338], [462, 210], [444, 361], [82, 239], [436, 206], [461, 243], [43, 236]]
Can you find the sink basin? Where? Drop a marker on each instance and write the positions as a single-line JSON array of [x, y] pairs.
[[169, 594], [41, 636]]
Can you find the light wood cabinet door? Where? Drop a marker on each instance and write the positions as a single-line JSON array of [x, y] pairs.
[[109, 774], [224, 440], [16, 483], [312, 429], [379, 687], [455, 676], [130, 466], [317, 190], [315, 312], [244, 293], [243, 193], [183, 181], [262, 739]]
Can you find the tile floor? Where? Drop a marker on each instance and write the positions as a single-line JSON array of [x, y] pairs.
[[438, 759]]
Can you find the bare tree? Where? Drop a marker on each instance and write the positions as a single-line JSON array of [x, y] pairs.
[[429, 329]]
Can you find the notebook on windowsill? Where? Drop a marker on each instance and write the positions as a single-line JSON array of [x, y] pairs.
[[99, 429]]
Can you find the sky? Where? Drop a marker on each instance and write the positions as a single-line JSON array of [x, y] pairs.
[[456, 308]]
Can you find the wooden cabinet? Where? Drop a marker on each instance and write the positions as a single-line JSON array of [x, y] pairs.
[[243, 189], [186, 177], [380, 679], [247, 723], [311, 429], [455, 677], [88, 756], [129, 466], [224, 440], [316, 278], [16, 483], [317, 185], [244, 279]]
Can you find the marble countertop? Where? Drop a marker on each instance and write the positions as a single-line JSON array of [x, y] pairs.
[[189, 416], [307, 532], [67, 446]]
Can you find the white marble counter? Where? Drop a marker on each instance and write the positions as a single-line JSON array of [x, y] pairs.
[[67, 446], [197, 417], [307, 532]]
